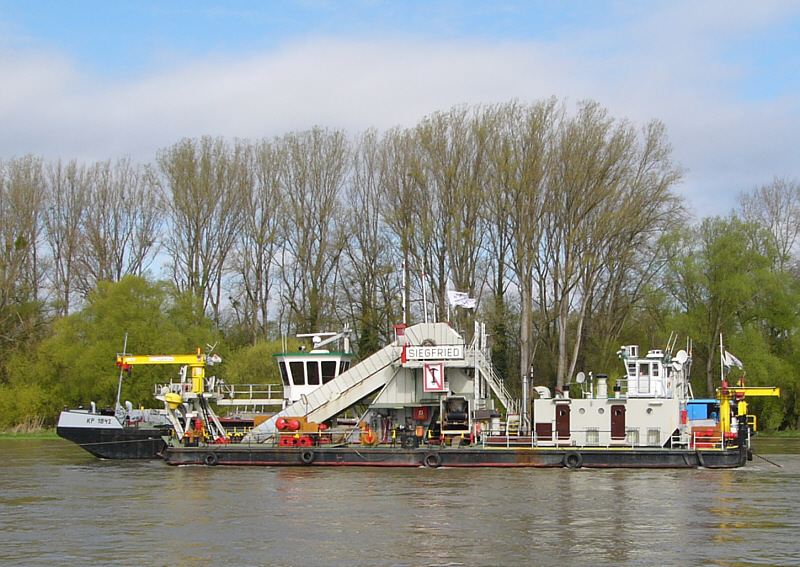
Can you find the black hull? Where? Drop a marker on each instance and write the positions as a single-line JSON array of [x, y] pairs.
[[126, 443], [255, 455]]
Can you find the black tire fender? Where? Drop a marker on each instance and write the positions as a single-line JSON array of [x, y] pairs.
[[409, 442], [432, 460], [211, 459], [307, 456], [573, 460]]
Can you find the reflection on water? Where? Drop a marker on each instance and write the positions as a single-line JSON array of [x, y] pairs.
[[60, 506]]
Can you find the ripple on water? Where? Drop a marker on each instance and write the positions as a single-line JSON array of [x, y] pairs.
[[60, 506]]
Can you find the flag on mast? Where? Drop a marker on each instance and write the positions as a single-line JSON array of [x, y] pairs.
[[729, 360], [460, 299]]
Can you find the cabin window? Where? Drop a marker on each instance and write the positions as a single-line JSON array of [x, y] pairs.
[[298, 375], [328, 371], [643, 387], [312, 372], [345, 364], [284, 373], [654, 370], [631, 369]]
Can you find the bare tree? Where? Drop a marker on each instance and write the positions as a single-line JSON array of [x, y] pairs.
[[776, 207], [634, 254], [452, 176], [203, 192], [608, 191], [520, 177], [68, 195], [255, 254], [22, 198], [370, 284], [402, 197], [313, 176], [120, 224]]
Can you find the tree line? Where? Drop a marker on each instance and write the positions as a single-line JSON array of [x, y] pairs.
[[564, 223]]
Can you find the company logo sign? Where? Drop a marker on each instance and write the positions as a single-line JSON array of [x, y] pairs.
[[445, 352]]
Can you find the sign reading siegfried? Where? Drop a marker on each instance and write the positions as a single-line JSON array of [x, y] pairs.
[[447, 352]]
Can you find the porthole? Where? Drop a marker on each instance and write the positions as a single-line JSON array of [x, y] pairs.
[[600, 410]]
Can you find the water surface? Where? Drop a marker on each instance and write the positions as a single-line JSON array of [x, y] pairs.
[[61, 506]]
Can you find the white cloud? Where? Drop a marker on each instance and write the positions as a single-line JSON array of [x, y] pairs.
[[666, 65]]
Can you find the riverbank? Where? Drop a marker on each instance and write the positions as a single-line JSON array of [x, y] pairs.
[[39, 434], [785, 434]]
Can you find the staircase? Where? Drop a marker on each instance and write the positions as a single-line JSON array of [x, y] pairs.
[[496, 384], [332, 398]]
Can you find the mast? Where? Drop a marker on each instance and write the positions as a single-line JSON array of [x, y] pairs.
[[121, 370], [424, 297], [405, 292]]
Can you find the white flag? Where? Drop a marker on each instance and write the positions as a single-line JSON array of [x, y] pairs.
[[460, 299], [730, 360]]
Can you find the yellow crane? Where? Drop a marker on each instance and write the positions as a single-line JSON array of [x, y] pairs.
[[197, 362], [195, 398], [727, 394]]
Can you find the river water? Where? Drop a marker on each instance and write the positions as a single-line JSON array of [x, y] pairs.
[[60, 506]]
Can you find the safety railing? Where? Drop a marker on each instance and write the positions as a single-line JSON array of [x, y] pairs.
[[248, 392], [710, 439], [495, 382], [591, 437]]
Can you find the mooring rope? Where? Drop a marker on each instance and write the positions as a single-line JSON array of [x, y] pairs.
[[766, 459]]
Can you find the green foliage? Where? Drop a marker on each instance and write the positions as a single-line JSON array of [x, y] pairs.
[[255, 364], [561, 225], [23, 404], [719, 282], [77, 363]]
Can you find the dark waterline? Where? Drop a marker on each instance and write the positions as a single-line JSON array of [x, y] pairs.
[[61, 506]]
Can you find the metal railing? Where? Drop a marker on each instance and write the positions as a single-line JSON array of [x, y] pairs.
[[495, 382], [591, 438], [252, 391]]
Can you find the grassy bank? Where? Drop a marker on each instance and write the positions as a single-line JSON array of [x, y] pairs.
[[39, 434], [786, 433]]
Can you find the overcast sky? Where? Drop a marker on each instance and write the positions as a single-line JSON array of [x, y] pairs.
[[94, 80]]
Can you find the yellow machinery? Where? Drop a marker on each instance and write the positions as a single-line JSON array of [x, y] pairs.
[[197, 362], [194, 398], [727, 394]]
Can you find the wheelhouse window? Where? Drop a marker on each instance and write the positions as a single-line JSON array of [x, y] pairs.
[[298, 374], [284, 373], [328, 371], [312, 372]]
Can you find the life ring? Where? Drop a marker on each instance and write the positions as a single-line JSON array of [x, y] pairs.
[[211, 459], [307, 456], [432, 460], [573, 460]]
